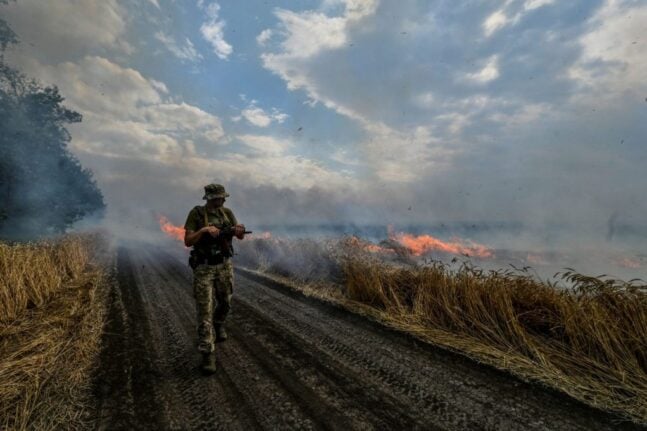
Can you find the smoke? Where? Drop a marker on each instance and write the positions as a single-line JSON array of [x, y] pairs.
[[548, 174], [43, 187]]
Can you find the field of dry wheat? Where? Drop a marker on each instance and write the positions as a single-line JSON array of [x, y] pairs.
[[582, 335], [51, 316]]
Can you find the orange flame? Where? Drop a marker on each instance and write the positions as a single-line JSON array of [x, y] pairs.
[[421, 244], [170, 229], [373, 248], [367, 246]]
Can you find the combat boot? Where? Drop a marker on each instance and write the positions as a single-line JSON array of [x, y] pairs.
[[209, 363], [221, 334]]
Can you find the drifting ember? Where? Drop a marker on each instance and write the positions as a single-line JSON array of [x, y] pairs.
[[170, 229], [422, 244]]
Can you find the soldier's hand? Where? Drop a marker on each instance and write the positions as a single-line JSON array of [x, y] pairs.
[[213, 231], [239, 231]]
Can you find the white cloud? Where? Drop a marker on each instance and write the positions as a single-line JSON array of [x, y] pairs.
[[341, 155], [155, 3], [527, 114], [265, 144], [259, 117], [393, 155], [614, 57], [213, 30], [402, 156], [311, 32], [80, 27], [494, 22], [500, 18], [184, 52], [488, 73], [128, 121], [264, 36], [454, 122], [308, 33], [174, 119], [96, 84], [293, 172], [412, 130], [159, 86], [536, 4], [256, 116], [279, 116], [125, 115], [424, 100], [119, 139]]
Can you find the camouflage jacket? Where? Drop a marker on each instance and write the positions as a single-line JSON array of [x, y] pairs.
[[220, 217]]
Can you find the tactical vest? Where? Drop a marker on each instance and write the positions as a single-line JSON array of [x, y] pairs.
[[208, 245]]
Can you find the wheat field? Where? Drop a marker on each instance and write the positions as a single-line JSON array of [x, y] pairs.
[[51, 316]]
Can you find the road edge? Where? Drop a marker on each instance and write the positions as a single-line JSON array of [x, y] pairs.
[[368, 317]]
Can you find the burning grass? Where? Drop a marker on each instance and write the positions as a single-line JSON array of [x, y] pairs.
[[586, 338], [51, 315]]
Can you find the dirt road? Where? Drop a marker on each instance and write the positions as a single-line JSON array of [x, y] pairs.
[[293, 363]]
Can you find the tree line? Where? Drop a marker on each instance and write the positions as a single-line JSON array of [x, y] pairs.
[[43, 187]]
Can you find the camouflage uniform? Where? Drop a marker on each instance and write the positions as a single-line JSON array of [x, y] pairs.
[[212, 283], [212, 288]]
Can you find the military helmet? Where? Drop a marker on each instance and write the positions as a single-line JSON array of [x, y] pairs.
[[213, 191]]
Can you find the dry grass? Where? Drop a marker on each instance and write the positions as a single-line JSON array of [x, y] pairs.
[[51, 316], [587, 339]]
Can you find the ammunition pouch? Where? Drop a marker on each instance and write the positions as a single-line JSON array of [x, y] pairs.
[[211, 256]]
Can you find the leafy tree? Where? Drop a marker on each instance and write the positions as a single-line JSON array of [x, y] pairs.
[[7, 36], [43, 187]]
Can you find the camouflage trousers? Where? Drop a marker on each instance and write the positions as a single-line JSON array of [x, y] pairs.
[[212, 288]]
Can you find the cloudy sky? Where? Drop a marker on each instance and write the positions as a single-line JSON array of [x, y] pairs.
[[353, 111]]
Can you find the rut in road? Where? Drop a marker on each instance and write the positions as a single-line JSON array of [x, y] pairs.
[[294, 363]]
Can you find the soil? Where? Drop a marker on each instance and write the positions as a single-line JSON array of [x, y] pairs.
[[293, 362]]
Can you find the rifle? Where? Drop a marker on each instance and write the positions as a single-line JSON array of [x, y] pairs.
[[221, 248], [228, 231], [225, 238]]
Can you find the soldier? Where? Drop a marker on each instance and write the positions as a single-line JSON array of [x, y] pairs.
[[209, 229]]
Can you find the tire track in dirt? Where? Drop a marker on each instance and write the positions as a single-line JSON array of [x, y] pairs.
[[457, 393], [184, 393], [335, 384], [125, 387], [207, 403], [293, 363], [266, 408]]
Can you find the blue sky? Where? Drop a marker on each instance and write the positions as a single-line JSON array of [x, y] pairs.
[[348, 111]]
